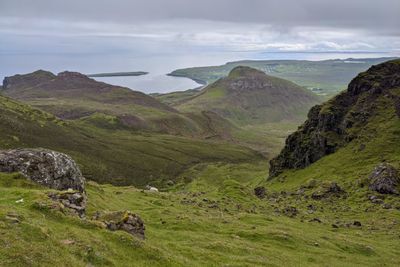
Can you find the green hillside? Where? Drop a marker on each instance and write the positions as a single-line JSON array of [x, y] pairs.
[[214, 220], [110, 154], [316, 209], [71, 95], [75, 97], [326, 77], [249, 96]]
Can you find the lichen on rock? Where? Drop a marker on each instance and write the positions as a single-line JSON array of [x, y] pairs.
[[384, 179], [53, 170], [46, 167]]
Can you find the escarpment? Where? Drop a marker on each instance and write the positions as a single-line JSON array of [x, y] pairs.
[[335, 123]]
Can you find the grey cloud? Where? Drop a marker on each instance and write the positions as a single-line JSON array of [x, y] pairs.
[[378, 16]]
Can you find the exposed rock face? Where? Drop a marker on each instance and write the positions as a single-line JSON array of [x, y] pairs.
[[48, 168], [384, 179], [329, 126], [122, 220]]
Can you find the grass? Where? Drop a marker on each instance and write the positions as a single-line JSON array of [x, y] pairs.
[[210, 217], [108, 153], [250, 97], [349, 164], [182, 229], [325, 77]]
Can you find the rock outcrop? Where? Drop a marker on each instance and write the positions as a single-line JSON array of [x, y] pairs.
[[327, 190], [260, 192], [122, 220], [51, 169], [335, 123], [384, 179], [46, 167], [72, 201]]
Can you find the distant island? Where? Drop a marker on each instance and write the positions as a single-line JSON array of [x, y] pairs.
[[114, 74]]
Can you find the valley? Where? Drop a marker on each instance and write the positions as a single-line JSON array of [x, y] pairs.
[[252, 170], [213, 133]]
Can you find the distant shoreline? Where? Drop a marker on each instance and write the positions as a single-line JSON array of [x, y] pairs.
[[118, 74], [199, 81]]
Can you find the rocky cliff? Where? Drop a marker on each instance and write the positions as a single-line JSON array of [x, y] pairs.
[[335, 123]]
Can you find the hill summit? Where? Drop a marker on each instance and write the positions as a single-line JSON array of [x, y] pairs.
[[249, 96]]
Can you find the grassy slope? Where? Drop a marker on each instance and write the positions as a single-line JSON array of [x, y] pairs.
[[349, 164], [185, 230], [71, 95], [250, 97], [175, 98], [111, 155], [242, 231], [331, 76], [266, 137]]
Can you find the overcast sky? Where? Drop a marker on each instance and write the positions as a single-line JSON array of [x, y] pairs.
[[75, 34]]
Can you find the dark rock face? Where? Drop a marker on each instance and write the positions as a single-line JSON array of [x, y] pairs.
[[384, 179], [328, 126], [123, 220], [260, 192], [48, 168]]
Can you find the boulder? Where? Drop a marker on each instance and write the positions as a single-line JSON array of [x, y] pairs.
[[122, 220], [384, 179], [46, 167], [328, 190], [290, 211], [259, 192], [74, 201]]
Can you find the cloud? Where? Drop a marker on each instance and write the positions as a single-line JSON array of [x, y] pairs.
[[379, 16], [72, 34]]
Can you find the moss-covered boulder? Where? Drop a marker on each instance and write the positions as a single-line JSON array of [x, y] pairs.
[[122, 220], [46, 167]]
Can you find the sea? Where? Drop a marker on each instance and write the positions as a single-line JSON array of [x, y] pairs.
[[158, 66]]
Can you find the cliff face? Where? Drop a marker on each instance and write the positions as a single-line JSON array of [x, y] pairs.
[[335, 123]]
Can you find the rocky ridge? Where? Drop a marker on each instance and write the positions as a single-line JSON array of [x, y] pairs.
[[335, 123]]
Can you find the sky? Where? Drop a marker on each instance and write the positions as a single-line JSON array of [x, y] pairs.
[[160, 35]]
